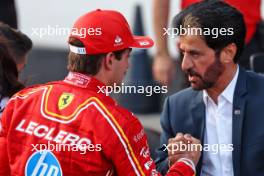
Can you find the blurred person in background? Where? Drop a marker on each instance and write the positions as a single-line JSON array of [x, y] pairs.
[[96, 135], [8, 13], [164, 66], [18, 44], [15, 47], [9, 83]]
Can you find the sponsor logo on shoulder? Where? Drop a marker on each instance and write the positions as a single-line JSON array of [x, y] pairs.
[[43, 163], [154, 172], [148, 164], [139, 136], [145, 152]]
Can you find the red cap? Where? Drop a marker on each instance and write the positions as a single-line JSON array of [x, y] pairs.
[[103, 31]]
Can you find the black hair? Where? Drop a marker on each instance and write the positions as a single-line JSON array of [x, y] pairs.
[[212, 14], [9, 83], [18, 43]]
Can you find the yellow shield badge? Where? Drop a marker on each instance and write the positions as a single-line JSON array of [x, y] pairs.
[[64, 100]]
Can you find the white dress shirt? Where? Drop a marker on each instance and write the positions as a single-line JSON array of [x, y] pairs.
[[218, 132]]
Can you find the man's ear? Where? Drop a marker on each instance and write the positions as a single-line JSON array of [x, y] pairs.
[[228, 53], [108, 61]]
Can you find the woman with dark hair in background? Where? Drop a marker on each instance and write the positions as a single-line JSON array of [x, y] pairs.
[[9, 83], [17, 43], [14, 48], [8, 13]]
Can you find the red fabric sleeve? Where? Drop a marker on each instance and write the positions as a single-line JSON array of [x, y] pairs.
[[180, 169], [4, 161], [128, 149]]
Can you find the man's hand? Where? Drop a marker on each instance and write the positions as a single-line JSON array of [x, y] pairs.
[[183, 146], [163, 69]]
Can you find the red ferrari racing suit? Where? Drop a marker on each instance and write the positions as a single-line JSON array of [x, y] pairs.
[[72, 127]]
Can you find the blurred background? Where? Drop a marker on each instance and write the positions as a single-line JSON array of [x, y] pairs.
[[61, 13]]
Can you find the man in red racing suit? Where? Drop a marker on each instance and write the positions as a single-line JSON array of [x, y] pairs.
[[72, 127]]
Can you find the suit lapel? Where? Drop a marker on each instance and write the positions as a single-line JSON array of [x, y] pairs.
[[197, 108], [198, 115], [239, 103]]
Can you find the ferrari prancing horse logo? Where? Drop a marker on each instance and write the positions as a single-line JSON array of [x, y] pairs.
[[64, 100]]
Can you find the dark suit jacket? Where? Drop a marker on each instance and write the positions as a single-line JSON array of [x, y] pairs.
[[185, 112]]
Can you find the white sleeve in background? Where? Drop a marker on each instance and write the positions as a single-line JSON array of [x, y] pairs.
[[3, 103]]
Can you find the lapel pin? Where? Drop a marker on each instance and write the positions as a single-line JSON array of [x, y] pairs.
[[237, 112]]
